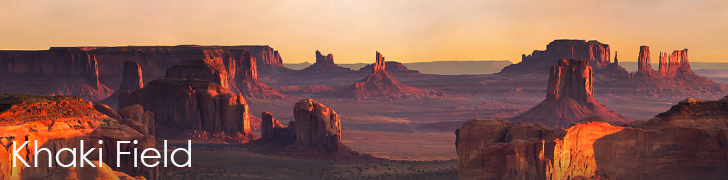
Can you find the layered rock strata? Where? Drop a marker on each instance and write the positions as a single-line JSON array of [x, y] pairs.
[[569, 97], [686, 142], [58, 122]]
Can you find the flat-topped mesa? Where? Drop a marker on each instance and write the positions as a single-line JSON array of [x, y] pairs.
[[204, 69], [569, 97], [60, 122], [598, 55], [131, 76], [192, 104], [61, 71], [379, 83]]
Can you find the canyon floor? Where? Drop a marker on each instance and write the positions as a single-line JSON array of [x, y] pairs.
[[415, 135]]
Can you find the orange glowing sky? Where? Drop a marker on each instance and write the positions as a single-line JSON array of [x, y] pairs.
[[405, 31]]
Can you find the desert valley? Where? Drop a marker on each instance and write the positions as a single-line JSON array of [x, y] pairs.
[[568, 111]]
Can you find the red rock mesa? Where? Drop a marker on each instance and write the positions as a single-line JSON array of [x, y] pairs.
[[537, 62], [569, 97]]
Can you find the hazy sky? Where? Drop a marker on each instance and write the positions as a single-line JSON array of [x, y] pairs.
[[406, 31]]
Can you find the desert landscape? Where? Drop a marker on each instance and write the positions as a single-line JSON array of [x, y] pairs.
[[363, 90]]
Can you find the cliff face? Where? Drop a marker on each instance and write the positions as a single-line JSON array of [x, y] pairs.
[[189, 104], [62, 122], [61, 71], [87, 71], [569, 97], [686, 142], [378, 83], [596, 53], [203, 69], [131, 77], [269, 60]]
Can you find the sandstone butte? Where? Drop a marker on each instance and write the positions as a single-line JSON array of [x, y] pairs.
[[324, 65], [378, 83], [392, 67], [62, 122], [92, 73], [569, 97], [202, 110], [315, 133], [689, 141]]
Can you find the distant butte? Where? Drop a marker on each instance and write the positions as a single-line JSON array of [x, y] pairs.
[[378, 83], [569, 97], [324, 65]]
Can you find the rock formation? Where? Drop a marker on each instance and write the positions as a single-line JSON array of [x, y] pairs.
[[324, 66], [686, 142], [62, 122], [316, 125], [673, 72], [131, 76], [60, 71], [315, 133], [378, 83], [192, 104], [596, 53], [569, 97], [136, 113], [392, 67]]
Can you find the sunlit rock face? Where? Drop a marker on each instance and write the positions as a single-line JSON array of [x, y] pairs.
[[569, 97], [59, 71], [193, 104], [686, 142], [58, 122], [598, 55]]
